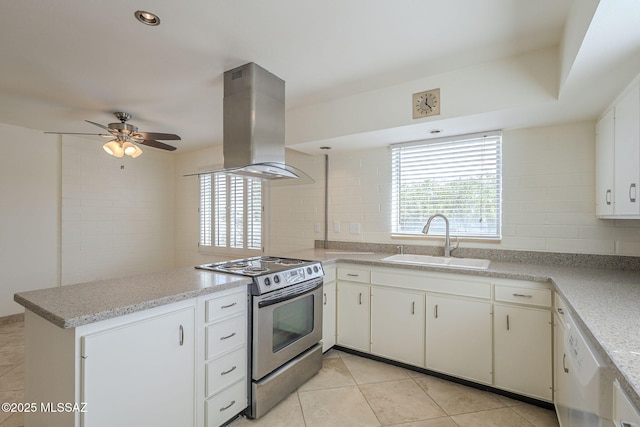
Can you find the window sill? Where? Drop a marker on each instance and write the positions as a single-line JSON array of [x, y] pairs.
[[417, 237]]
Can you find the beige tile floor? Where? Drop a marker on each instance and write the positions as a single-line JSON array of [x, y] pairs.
[[348, 391], [11, 371], [355, 391]]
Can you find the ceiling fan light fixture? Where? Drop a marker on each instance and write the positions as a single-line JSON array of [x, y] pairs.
[[137, 152], [129, 148], [147, 18], [113, 148]]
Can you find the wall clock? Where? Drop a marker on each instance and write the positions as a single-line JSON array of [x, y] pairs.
[[426, 103]]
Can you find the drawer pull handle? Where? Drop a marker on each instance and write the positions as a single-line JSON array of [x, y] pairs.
[[352, 275], [233, 334], [413, 307], [229, 305], [564, 366], [508, 326], [233, 402], [360, 298], [436, 311], [181, 335], [325, 298], [560, 310], [632, 198], [608, 197], [226, 372], [523, 295]]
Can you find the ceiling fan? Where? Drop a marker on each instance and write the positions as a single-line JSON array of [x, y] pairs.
[[126, 137]]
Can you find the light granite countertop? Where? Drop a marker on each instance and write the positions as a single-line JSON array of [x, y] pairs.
[[605, 302], [71, 306]]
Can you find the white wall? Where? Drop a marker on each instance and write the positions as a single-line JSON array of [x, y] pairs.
[[548, 199], [548, 195], [69, 213], [29, 213], [117, 214]]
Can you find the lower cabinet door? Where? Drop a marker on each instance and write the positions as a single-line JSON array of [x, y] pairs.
[[142, 373], [328, 316], [459, 338], [522, 346], [353, 316], [397, 325]]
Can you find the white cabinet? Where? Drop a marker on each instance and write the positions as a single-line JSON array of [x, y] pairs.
[[223, 356], [625, 414], [618, 157], [522, 350], [141, 373], [561, 397], [353, 315], [459, 337], [397, 325], [604, 164], [329, 309], [627, 153]]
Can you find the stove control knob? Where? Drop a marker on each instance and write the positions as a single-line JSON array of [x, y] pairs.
[[276, 278], [308, 270], [315, 268], [267, 281]]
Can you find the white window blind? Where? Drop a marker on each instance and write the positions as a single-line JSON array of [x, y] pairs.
[[459, 177], [230, 212]]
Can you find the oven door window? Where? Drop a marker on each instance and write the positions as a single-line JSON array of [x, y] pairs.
[[292, 321]]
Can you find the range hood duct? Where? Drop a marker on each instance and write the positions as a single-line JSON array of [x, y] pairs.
[[253, 124]]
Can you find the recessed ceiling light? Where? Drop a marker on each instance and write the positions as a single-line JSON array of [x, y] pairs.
[[147, 18]]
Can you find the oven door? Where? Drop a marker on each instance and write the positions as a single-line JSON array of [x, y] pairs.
[[285, 324]]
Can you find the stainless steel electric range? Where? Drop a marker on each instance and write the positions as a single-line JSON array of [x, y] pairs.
[[285, 325]]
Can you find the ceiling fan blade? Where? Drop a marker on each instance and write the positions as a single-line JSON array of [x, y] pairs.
[[99, 125], [157, 144], [155, 135], [78, 133]]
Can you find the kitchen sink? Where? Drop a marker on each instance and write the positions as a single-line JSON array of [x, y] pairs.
[[439, 261]]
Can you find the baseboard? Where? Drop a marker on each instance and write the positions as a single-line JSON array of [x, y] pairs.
[[13, 318]]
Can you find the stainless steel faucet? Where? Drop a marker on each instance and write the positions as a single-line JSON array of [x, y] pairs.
[[447, 242]]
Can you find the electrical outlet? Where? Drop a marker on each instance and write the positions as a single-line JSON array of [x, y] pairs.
[[336, 226], [354, 228], [317, 228]]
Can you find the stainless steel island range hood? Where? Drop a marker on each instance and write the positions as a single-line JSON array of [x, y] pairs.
[[253, 124]]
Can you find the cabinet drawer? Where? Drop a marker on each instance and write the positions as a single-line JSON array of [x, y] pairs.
[[224, 336], [217, 308], [226, 370], [226, 404], [528, 296], [354, 274]]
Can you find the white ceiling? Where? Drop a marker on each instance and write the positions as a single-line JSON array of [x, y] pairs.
[[63, 62]]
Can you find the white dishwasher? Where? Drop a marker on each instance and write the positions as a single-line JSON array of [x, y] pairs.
[[590, 382]]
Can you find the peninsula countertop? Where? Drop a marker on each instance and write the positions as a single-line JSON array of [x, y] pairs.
[[606, 302], [71, 306]]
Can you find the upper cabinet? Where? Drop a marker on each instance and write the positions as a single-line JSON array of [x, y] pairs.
[[618, 158]]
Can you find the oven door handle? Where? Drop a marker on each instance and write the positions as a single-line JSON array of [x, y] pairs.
[[276, 300]]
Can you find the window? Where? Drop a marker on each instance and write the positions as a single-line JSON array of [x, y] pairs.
[[459, 177], [230, 212]]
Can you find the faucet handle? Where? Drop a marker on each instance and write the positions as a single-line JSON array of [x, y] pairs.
[[457, 243]]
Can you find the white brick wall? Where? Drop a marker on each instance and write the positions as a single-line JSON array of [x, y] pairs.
[[548, 195], [115, 221]]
